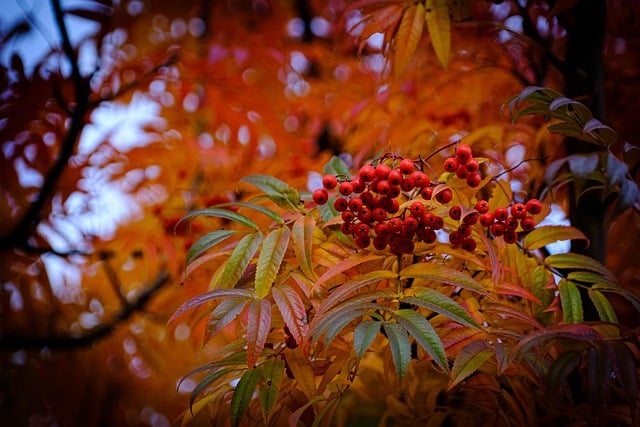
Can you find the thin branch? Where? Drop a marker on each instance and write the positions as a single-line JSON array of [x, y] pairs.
[[70, 342]]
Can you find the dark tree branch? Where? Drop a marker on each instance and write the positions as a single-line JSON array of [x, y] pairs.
[[70, 342]]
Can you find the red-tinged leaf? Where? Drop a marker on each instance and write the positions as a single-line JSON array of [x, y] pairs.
[[455, 339], [270, 259], [545, 235], [239, 260], [508, 288], [468, 361], [292, 310], [337, 319], [603, 306], [258, 325], [243, 394], [508, 311], [302, 234], [207, 297], [440, 303], [424, 334], [383, 20], [408, 37], [272, 374], [206, 242], [259, 208], [354, 285], [302, 371], [442, 274], [221, 213], [223, 314], [439, 27], [400, 347], [364, 335], [571, 261], [574, 332], [342, 267]]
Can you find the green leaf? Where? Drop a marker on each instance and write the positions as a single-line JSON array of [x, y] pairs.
[[264, 210], [213, 295], [571, 261], [239, 260], [571, 301], [590, 277], [336, 166], [439, 27], [224, 214], [364, 335], [277, 190], [469, 360], [442, 274], [603, 306], [272, 373], [258, 325], [224, 314], [206, 242], [302, 234], [400, 347], [440, 303], [353, 285], [545, 235], [211, 378], [603, 133], [270, 258], [243, 394], [424, 334]]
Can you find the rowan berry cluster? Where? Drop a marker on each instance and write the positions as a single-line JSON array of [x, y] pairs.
[[370, 207]]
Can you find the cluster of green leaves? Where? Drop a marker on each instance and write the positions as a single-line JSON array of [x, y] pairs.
[[312, 310]]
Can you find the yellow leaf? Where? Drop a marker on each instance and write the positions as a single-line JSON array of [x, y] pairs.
[[408, 37], [439, 27]]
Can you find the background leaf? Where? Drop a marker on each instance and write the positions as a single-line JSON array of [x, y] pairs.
[[272, 373], [408, 37], [439, 27], [603, 306], [571, 261], [222, 213]]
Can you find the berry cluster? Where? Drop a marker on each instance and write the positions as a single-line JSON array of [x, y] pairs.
[[371, 211]]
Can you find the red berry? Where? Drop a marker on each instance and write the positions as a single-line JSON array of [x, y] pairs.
[[426, 193], [463, 153], [347, 227], [451, 164], [411, 224], [444, 196], [454, 238], [382, 171], [426, 235], [465, 230], [474, 179], [462, 172], [367, 173], [406, 166], [510, 236], [435, 222], [482, 206], [407, 184], [518, 210], [320, 196], [329, 182], [367, 198], [384, 187], [395, 206], [416, 209], [365, 214], [345, 188], [420, 179], [379, 214], [471, 218], [395, 225], [527, 223], [534, 207], [468, 244], [355, 204], [511, 223], [486, 219], [380, 242], [395, 177], [341, 204], [348, 216], [358, 185], [455, 212], [501, 214], [472, 166], [382, 229], [498, 229], [363, 242], [361, 230], [395, 191]]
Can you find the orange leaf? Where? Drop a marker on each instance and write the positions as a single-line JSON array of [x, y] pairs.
[[408, 37], [439, 27], [258, 324], [292, 310]]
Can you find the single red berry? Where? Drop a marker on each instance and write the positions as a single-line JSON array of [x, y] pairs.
[[395, 225], [426, 193], [472, 166], [361, 229], [510, 236], [468, 244], [454, 238], [444, 196], [465, 230], [395, 206], [345, 188], [511, 223], [534, 207], [501, 214], [471, 217], [320, 196], [482, 206], [486, 219], [411, 224], [395, 191], [473, 179], [435, 222], [462, 172], [405, 233], [379, 214], [497, 229], [355, 204], [367, 198], [527, 223], [518, 210], [347, 227], [358, 185], [384, 187], [382, 229], [385, 202], [406, 166], [406, 246], [395, 177], [363, 242], [380, 242], [329, 182], [365, 214], [451, 164], [341, 204], [463, 153], [348, 216], [367, 173], [407, 184], [417, 209], [382, 171], [420, 179], [455, 212], [426, 235]]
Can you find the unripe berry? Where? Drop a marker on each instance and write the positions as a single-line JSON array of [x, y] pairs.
[[463, 153], [455, 212], [406, 166], [367, 173], [341, 204], [395, 177], [534, 207], [320, 196], [444, 196], [501, 214], [468, 244], [420, 179], [329, 182], [510, 236], [382, 171], [486, 219], [451, 164], [527, 223], [345, 188], [518, 210], [482, 206], [473, 179]]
